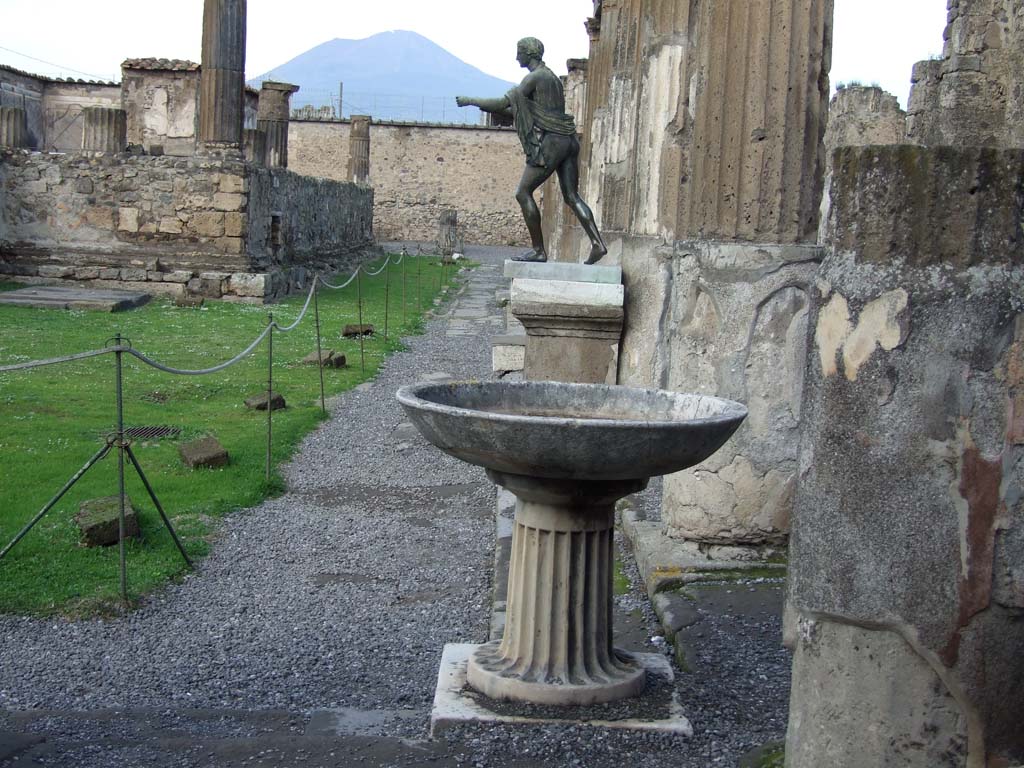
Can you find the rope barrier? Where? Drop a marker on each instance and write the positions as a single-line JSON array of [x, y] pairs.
[[55, 360], [213, 369]]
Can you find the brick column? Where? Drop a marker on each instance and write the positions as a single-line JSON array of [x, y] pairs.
[[104, 130], [275, 109], [222, 83], [13, 134], [359, 149]]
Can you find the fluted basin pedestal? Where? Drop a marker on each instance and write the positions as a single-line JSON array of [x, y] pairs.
[[557, 645], [567, 452]]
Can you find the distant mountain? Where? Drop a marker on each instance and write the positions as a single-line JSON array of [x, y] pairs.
[[392, 75]]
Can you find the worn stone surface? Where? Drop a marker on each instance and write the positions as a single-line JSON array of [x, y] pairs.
[[273, 121], [205, 453], [904, 712], [161, 105], [354, 330], [328, 359], [54, 297], [735, 325], [99, 521], [909, 499], [972, 96], [259, 402], [103, 130]]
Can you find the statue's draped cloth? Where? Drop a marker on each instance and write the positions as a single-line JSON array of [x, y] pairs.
[[533, 121]]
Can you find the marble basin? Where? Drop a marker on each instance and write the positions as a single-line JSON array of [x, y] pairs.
[[567, 452], [571, 431]]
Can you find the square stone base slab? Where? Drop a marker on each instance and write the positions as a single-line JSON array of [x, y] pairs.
[[453, 706]]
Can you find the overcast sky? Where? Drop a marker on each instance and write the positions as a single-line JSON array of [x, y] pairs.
[[876, 41]]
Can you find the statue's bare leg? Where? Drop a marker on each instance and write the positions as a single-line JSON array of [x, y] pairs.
[[569, 179], [532, 178]]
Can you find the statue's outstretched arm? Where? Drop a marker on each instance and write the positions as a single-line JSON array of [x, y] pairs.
[[499, 105]]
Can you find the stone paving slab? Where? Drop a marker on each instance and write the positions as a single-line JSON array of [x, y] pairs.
[[455, 703], [57, 297]]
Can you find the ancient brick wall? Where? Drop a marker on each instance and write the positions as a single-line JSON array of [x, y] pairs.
[[417, 171], [172, 225]]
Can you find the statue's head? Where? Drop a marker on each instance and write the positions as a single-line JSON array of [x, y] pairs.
[[528, 49]]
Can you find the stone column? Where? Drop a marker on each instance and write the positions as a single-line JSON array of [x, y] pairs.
[[557, 644], [573, 317], [13, 129], [222, 81], [906, 577], [274, 114], [104, 130], [254, 146], [359, 149]]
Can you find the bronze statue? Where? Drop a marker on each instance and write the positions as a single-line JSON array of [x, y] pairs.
[[548, 136]]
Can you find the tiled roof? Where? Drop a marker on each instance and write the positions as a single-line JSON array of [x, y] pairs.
[[47, 79], [168, 65]]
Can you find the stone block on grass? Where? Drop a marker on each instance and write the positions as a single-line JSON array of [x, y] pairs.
[[205, 453], [356, 330], [259, 402], [98, 520], [328, 359]]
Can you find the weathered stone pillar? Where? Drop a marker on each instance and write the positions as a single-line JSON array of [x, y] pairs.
[[906, 583], [275, 110], [254, 146], [359, 149], [13, 129], [104, 130], [973, 96], [222, 81]]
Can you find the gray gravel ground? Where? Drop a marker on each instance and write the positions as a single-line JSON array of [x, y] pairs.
[[312, 633]]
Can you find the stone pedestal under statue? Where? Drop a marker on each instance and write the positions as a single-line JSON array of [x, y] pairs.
[[573, 316]]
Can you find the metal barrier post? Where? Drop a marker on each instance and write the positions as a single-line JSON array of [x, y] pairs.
[[319, 349], [270, 388], [419, 283], [387, 291], [120, 469], [359, 304], [405, 258]]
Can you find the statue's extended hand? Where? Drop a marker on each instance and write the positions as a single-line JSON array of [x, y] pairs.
[[464, 101]]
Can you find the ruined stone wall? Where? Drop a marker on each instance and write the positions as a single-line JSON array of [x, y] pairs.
[[318, 221], [418, 171], [162, 107], [974, 94], [175, 225], [905, 580], [861, 115]]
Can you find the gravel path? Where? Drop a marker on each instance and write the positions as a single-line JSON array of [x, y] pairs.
[[312, 633]]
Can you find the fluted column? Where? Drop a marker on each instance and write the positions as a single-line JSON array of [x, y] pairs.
[[222, 82], [359, 149], [275, 110], [254, 145], [13, 132], [557, 645], [104, 130]]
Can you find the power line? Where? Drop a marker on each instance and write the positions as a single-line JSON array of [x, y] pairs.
[[50, 63]]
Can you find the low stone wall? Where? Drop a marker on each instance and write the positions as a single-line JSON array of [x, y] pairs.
[[418, 171], [197, 225]]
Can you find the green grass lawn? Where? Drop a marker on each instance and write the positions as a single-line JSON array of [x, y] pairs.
[[54, 418]]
